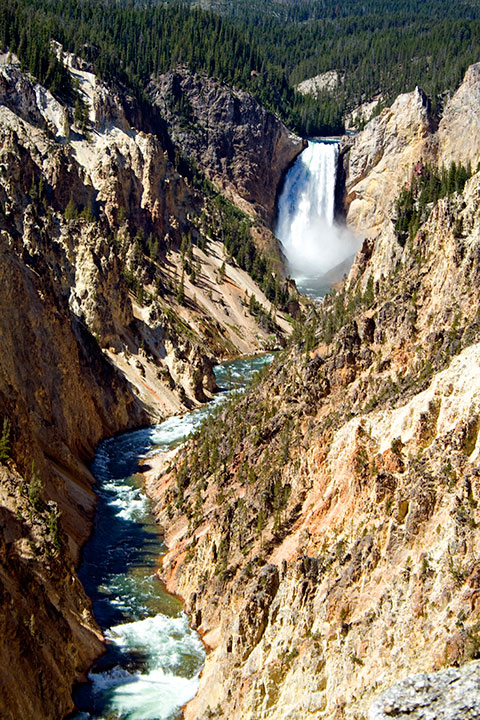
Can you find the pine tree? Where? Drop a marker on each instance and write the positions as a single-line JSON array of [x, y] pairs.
[[71, 210], [5, 441]]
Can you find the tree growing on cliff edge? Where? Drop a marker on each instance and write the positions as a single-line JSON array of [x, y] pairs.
[[181, 290], [5, 441]]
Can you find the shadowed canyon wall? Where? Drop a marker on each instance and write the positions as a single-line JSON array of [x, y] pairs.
[[117, 296]]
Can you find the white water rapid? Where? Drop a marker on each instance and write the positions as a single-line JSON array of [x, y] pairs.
[[153, 657], [318, 250]]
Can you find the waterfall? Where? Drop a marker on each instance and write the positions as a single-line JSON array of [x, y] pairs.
[[318, 250]]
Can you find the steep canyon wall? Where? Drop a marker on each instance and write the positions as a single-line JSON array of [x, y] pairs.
[[326, 534], [117, 296]]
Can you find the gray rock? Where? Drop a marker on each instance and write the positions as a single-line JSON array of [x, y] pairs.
[[451, 694], [238, 144]]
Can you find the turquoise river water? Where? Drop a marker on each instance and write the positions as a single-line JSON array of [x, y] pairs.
[[153, 657]]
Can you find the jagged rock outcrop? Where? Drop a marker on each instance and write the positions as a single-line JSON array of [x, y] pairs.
[[381, 157], [242, 148], [328, 81], [122, 184], [459, 128], [363, 113]]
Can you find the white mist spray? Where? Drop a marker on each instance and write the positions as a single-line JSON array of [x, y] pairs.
[[312, 242]]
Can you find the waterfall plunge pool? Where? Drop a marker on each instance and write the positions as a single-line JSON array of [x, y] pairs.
[[319, 251], [153, 657]]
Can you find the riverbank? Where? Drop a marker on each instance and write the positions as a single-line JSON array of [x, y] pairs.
[[153, 656]]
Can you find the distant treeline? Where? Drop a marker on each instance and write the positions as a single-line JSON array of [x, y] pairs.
[[376, 46], [263, 47], [129, 43]]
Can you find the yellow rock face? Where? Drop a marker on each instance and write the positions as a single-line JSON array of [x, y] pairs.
[[315, 604], [382, 158]]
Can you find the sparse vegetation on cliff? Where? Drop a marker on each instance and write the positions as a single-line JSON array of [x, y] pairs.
[[109, 259], [5, 448], [427, 186], [330, 494]]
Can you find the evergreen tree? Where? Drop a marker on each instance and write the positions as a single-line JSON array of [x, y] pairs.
[[5, 441], [181, 291]]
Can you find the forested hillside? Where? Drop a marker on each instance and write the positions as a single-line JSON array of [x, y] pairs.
[[263, 47], [376, 46]]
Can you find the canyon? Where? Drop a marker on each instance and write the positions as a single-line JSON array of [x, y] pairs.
[[323, 528], [117, 299], [331, 545]]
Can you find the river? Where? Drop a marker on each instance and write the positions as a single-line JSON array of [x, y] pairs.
[[153, 657]]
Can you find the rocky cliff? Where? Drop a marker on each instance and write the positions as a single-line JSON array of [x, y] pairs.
[[332, 540], [380, 159], [49, 635], [116, 296], [323, 529], [242, 148]]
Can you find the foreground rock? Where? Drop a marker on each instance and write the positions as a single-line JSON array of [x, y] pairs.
[[446, 695]]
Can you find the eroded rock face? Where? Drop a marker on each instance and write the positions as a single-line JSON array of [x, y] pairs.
[[128, 191], [381, 158], [241, 147], [60, 392], [49, 625], [360, 581], [61, 396], [326, 81], [353, 472], [459, 129], [96, 338]]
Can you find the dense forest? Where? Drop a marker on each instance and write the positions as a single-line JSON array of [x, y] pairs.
[[376, 46], [264, 47]]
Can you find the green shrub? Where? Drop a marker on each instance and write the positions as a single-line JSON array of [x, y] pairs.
[[5, 441]]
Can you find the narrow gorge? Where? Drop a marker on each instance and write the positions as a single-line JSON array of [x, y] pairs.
[[123, 282], [332, 545], [153, 658], [172, 543]]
